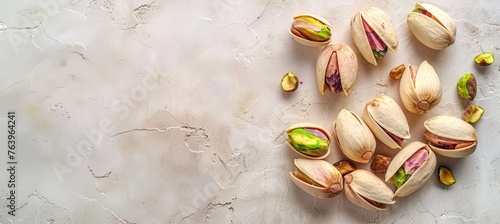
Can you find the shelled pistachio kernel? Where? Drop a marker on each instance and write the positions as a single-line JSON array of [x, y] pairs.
[[472, 113], [380, 164], [467, 86], [397, 72], [485, 59], [445, 176], [289, 82], [345, 166]]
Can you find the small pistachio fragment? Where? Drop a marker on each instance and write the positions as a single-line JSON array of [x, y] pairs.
[[289, 82], [485, 59], [380, 164], [345, 166], [473, 113], [445, 176], [397, 72], [310, 30], [467, 86]]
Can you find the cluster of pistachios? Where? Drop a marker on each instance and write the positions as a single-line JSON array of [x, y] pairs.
[[383, 119]]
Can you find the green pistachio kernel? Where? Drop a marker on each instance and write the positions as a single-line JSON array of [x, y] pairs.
[[400, 177], [303, 140], [485, 59], [473, 113], [311, 28], [467, 86], [445, 176]]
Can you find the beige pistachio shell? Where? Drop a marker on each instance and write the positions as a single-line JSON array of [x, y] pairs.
[[452, 128], [347, 63], [309, 125], [362, 183], [430, 32], [354, 137], [380, 22], [383, 115], [421, 93], [321, 172], [419, 177], [307, 42]]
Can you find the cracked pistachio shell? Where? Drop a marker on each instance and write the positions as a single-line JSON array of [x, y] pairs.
[[360, 185], [431, 33], [354, 137], [311, 43], [322, 153], [452, 128], [420, 92], [381, 24], [347, 66], [419, 177], [317, 178], [383, 115]]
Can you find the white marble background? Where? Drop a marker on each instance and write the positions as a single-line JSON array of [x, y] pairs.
[[171, 112]]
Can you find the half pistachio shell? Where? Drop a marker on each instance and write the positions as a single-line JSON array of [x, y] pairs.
[[318, 153], [309, 38], [382, 28], [354, 137], [336, 69], [317, 177], [419, 177], [387, 121], [450, 136], [432, 26], [366, 190], [420, 88]]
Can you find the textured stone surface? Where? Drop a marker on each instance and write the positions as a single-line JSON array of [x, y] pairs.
[[171, 111]]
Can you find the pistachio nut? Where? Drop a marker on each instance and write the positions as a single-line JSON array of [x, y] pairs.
[[485, 59], [336, 69], [467, 86], [345, 166], [366, 190], [373, 33], [387, 121], [450, 136], [380, 164], [397, 72], [445, 176], [289, 82], [411, 168], [432, 26], [472, 113], [310, 30], [317, 178], [420, 88], [353, 136], [309, 140]]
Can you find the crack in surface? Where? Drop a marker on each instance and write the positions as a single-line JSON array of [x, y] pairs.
[[95, 201], [99, 176], [41, 197]]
